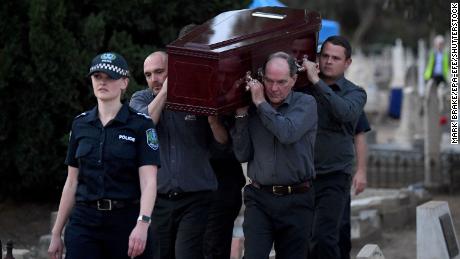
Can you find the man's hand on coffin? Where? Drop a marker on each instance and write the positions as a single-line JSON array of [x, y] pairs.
[[312, 70], [257, 92]]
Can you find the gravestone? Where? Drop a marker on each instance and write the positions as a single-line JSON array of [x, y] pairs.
[[432, 136], [370, 251], [421, 66], [436, 238], [397, 81]]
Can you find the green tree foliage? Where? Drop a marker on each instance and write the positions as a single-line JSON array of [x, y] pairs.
[[45, 50]]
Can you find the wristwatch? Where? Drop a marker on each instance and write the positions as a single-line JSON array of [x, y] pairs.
[[145, 219]]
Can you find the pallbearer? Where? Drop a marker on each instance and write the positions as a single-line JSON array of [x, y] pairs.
[[276, 136]]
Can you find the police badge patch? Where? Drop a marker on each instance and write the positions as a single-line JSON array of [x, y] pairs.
[[152, 139]]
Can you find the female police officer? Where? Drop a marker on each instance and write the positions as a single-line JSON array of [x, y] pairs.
[[112, 166]]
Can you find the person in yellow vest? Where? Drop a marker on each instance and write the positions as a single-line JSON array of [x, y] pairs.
[[438, 66]]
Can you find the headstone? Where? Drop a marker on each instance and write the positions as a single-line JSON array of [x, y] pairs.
[[370, 251], [398, 65], [397, 81], [362, 71], [432, 136], [409, 59], [405, 132], [436, 238], [421, 67]]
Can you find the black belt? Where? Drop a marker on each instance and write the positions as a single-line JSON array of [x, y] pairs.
[[108, 204], [284, 189], [178, 195]]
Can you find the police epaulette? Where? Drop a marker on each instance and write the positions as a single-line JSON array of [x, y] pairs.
[[81, 115], [143, 115]]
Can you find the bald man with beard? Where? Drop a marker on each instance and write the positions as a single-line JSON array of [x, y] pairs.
[[185, 180]]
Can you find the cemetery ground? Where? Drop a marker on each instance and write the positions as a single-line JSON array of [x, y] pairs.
[[24, 223]]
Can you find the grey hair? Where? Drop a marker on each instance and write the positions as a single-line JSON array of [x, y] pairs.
[[289, 59]]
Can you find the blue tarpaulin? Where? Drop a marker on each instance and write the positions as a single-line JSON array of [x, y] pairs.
[[262, 3], [329, 28]]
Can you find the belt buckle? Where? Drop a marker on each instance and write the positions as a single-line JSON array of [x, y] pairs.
[[173, 195], [101, 204], [275, 188]]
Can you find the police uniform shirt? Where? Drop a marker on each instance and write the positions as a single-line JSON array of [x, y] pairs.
[[278, 143], [339, 107], [108, 157], [185, 143]]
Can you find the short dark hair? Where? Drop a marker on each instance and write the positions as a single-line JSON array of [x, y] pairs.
[[341, 41], [289, 59]]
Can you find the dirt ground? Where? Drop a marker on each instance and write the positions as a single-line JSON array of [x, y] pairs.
[[24, 224]]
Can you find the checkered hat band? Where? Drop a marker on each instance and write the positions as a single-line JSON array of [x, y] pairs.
[[110, 67]]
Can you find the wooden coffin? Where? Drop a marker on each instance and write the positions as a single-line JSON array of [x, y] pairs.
[[207, 67]]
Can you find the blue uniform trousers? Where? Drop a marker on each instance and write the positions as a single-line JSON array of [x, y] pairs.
[[95, 234]]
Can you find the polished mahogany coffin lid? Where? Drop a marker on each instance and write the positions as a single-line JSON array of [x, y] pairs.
[[206, 67]]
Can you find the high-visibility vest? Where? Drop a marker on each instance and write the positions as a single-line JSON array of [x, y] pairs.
[[445, 66]]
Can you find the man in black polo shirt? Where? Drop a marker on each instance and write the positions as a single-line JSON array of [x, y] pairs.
[[340, 103], [186, 179], [276, 137]]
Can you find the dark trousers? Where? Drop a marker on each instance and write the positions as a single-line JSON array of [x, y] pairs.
[[284, 220], [93, 234], [345, 231], [225, 206], [180, 221], [331, 192], [438, 79]]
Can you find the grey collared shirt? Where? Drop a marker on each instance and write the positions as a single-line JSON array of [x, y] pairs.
[[278, 143], [339, 108], [185, 140]]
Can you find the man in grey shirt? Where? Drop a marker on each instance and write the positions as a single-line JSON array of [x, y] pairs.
[[276, 137], [340, 104], [185, 179]]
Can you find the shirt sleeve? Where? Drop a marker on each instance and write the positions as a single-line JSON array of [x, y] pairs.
[[139, 102], [71, 149], [148, 146], [346, 108], [292, 125], [242, 145], [362, 125]]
